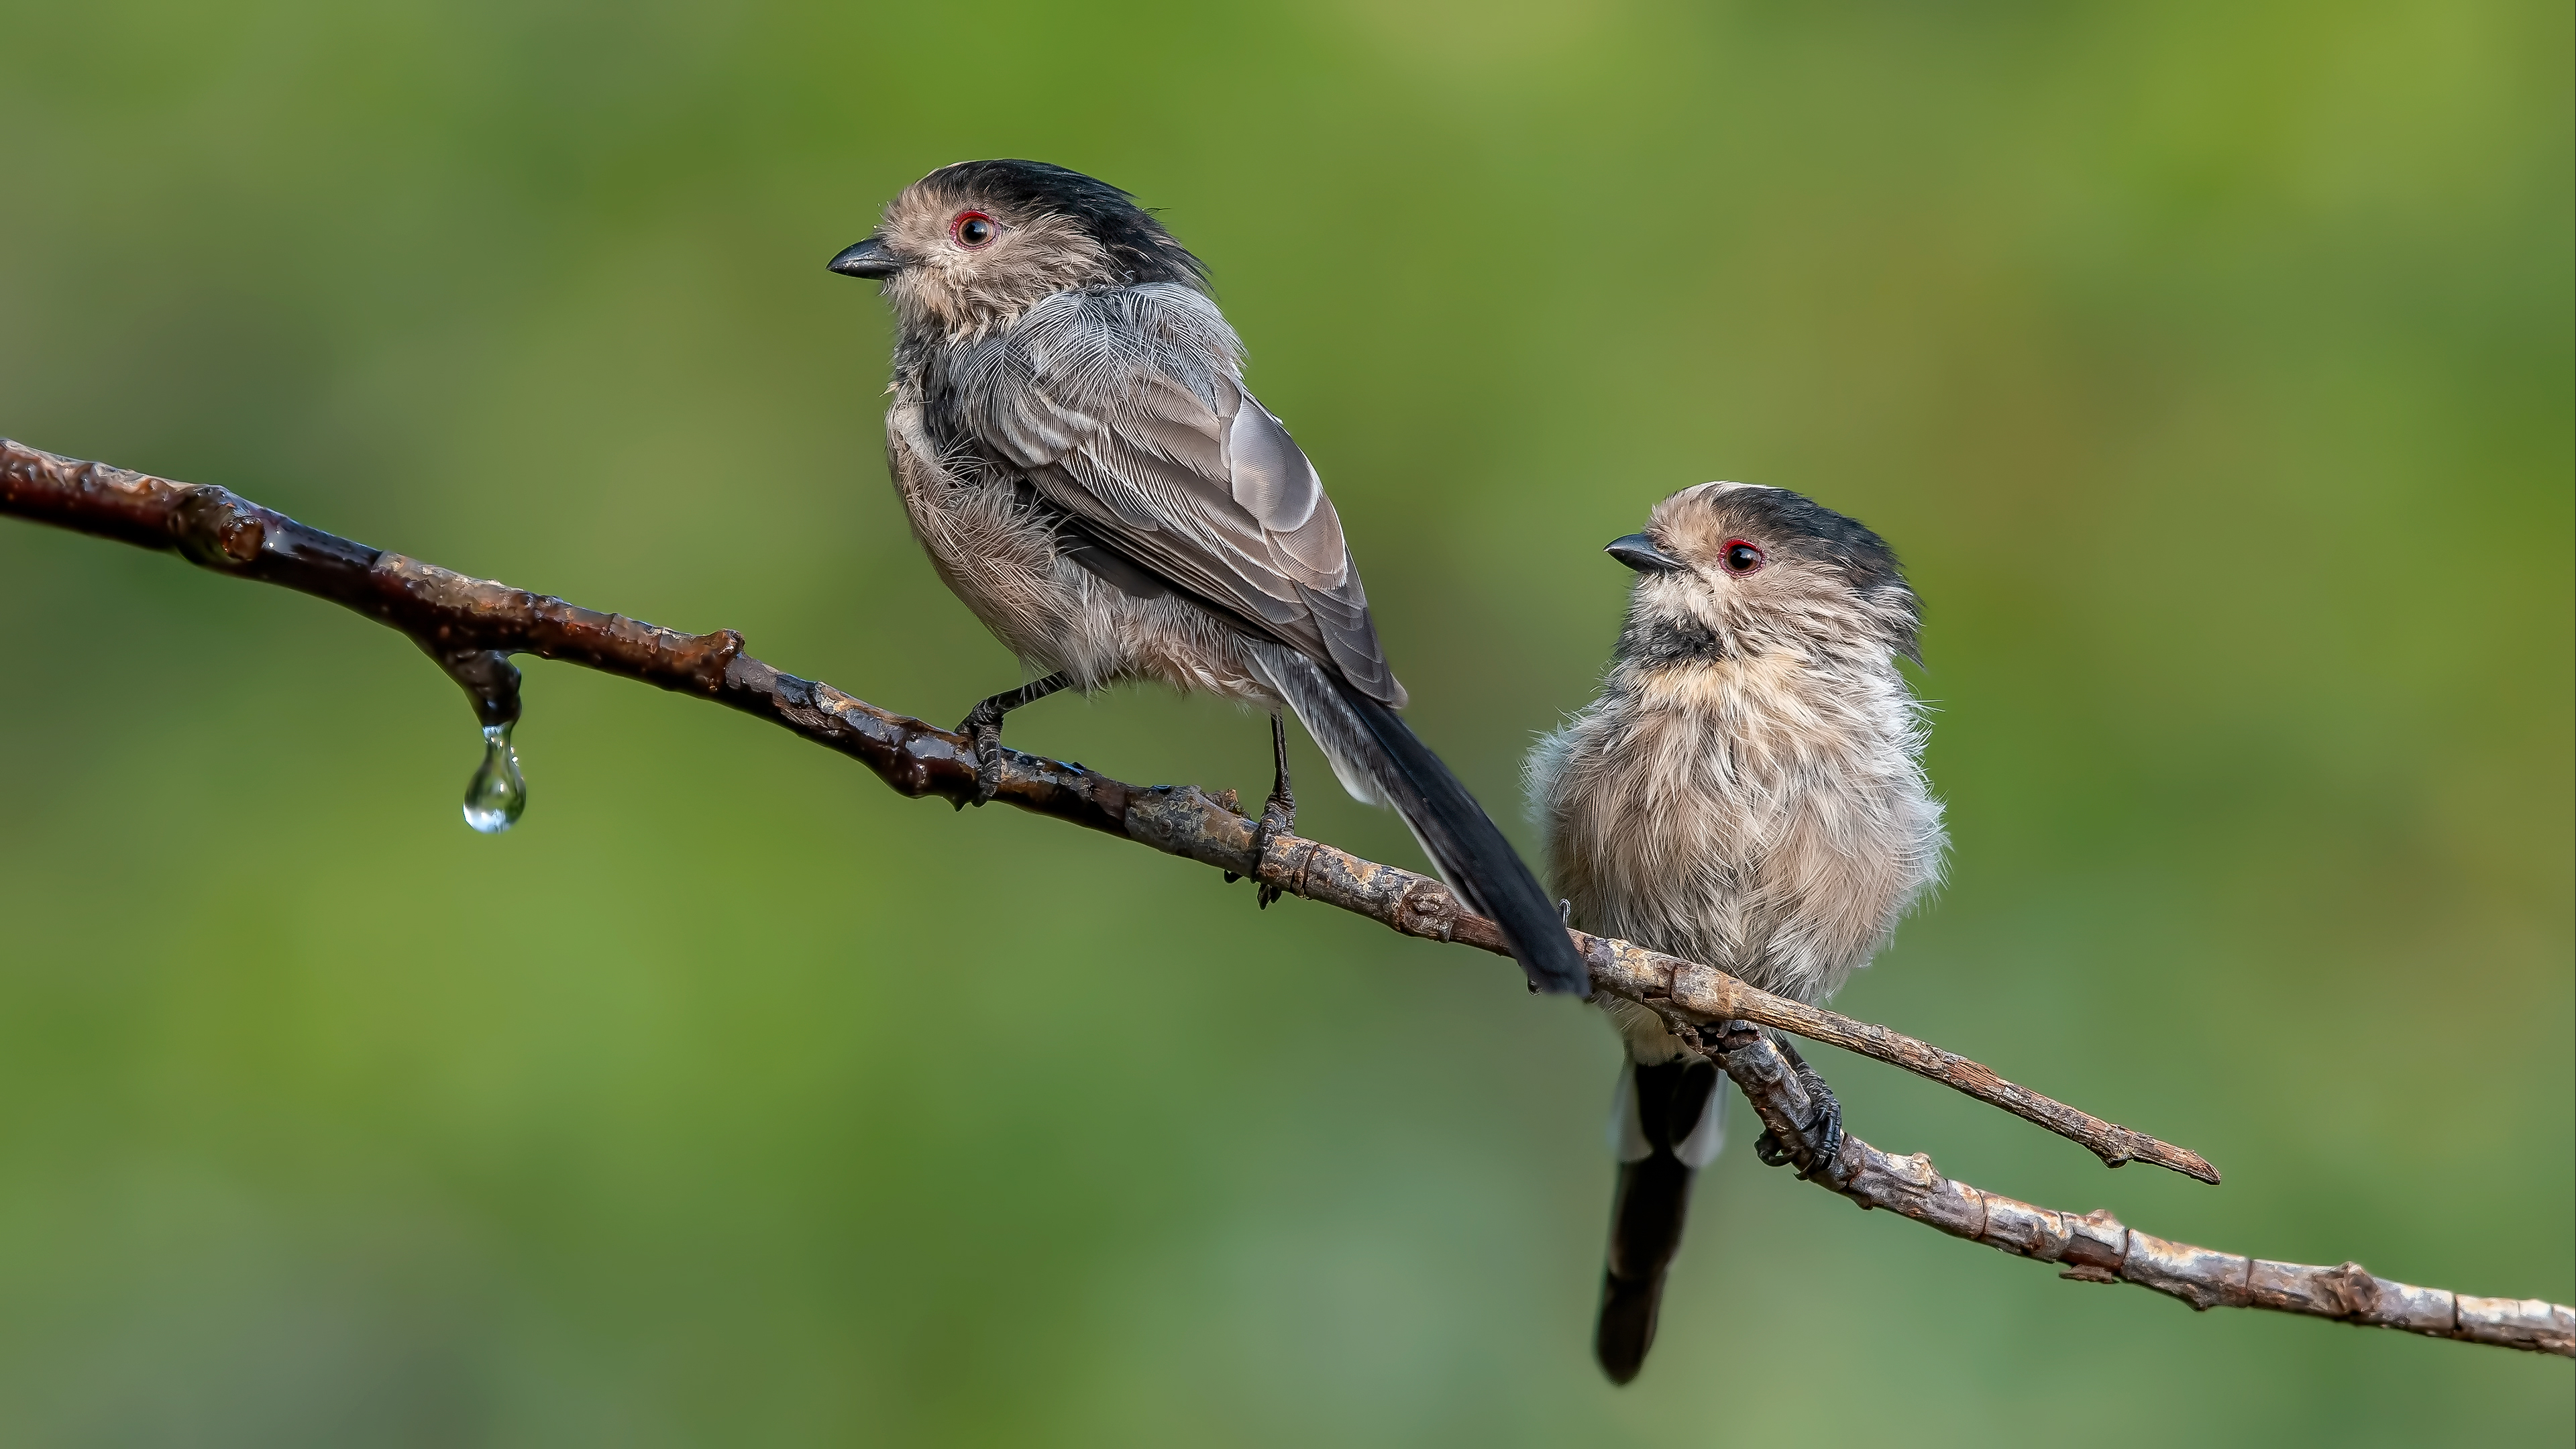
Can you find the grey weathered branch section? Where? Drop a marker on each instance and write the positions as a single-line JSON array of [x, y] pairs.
[[471, 626], [2096, 1247]]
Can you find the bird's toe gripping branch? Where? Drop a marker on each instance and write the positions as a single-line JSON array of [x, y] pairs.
[[983, 729], [1824, 1123], [1802, 1121], [1278, 813]]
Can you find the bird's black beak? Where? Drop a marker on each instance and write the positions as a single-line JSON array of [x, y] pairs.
[[870, 258], [1639, 552]]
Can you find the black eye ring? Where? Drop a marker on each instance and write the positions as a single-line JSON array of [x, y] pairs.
[[1741, 557], [974, 229]]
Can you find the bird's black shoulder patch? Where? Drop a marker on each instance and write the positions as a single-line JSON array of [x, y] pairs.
[[1133, 238]]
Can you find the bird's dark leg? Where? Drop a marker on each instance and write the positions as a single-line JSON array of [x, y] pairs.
[[1825, 1126], [1279, 812], [983, 728]]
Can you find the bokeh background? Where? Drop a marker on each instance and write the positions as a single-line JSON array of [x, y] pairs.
[[2209, 363]]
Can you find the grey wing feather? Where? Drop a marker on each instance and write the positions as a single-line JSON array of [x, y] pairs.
[[1125, 409]]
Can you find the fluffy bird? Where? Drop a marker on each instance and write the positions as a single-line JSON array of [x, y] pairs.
[[1077, 452], [1747, 792]]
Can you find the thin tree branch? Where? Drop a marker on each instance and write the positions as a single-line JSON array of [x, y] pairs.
[[2096, 1247], [471, 626]]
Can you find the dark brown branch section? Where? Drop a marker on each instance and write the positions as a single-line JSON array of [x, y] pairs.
[[471, 626]]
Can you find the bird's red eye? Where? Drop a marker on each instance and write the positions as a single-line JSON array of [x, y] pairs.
[[973, 229], [1741, 557]]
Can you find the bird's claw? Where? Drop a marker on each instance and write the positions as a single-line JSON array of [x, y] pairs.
[[1826, 1128], [1278, 817], [983, 729], [1823, 1129], [1278, 813]]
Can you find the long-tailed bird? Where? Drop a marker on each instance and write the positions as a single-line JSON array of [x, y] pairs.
[[1747, 793], [1078, 454]]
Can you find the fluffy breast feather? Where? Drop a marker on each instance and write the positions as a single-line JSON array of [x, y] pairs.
[[1766, 815]]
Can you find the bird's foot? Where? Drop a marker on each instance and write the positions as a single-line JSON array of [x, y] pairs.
[[1821, 1133], [982, 728], [1278, 813], [1826, 1126], [1278, 818]]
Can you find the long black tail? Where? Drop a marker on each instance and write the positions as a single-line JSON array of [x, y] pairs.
[[1668, 1102], [1370, 744]]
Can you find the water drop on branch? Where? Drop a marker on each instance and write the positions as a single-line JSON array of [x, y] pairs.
[[498, 794]]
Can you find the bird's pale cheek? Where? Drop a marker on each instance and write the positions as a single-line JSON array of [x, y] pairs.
[[925, 291], [1670, 595]]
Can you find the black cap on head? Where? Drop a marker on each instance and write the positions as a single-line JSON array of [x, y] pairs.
[[1135, 241], [1803, 527]]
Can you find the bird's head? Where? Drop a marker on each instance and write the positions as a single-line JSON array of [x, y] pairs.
[[975, 244], [1739, 571]]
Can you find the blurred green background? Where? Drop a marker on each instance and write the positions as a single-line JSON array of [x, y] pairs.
[[2210, 364]]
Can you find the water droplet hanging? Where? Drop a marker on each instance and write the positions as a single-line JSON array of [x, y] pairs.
[[498, 794]]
